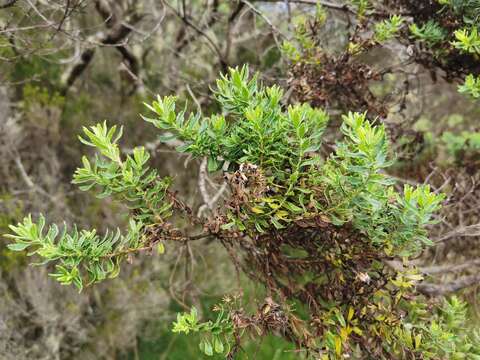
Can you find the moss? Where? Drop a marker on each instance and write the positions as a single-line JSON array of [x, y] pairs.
[[33, 94]]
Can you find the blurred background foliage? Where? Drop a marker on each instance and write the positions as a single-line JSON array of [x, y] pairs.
[[69, 64]]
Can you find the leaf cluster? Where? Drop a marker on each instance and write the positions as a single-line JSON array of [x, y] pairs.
[[471, 86], [349, 187], [84, 256], [341, 210], [79, 255], [387, 29], [362, 7], [252, 129], [430, 32], [216, 335], [443, 334], [467, 41], [358, 191], [468, 9], [129, 179]]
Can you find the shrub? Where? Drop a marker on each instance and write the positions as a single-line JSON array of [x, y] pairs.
[[319, 232]]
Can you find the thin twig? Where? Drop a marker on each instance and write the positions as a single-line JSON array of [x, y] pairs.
[[470, 231], [264, 17], [187, 22], [28, 181], [151, 246], [450, 287]]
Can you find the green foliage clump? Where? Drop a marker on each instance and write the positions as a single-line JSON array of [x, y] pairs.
[[79, 254], [467, 41], [84, 256], [279, 181], [468, 9], [129, 180], [471, 86], [449, 336], [334, 219], [462, 141], [302, 39], [216, 335], [362, 7], [360, 193], [291, 52], [430, 32], [42, 96], [258, 131], [387, 29], [443, 334], [463, 148], [283, 145]]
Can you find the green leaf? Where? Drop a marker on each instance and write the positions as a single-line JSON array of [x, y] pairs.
[[206, 347], [160, 249], [213, 164], [18, 246], [218, 345]]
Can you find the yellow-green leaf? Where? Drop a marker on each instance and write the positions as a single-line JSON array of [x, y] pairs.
[[338, 345], [281, 214], [418, 341], [160, 249], [357, 331], [257, 210], [350, 313]]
